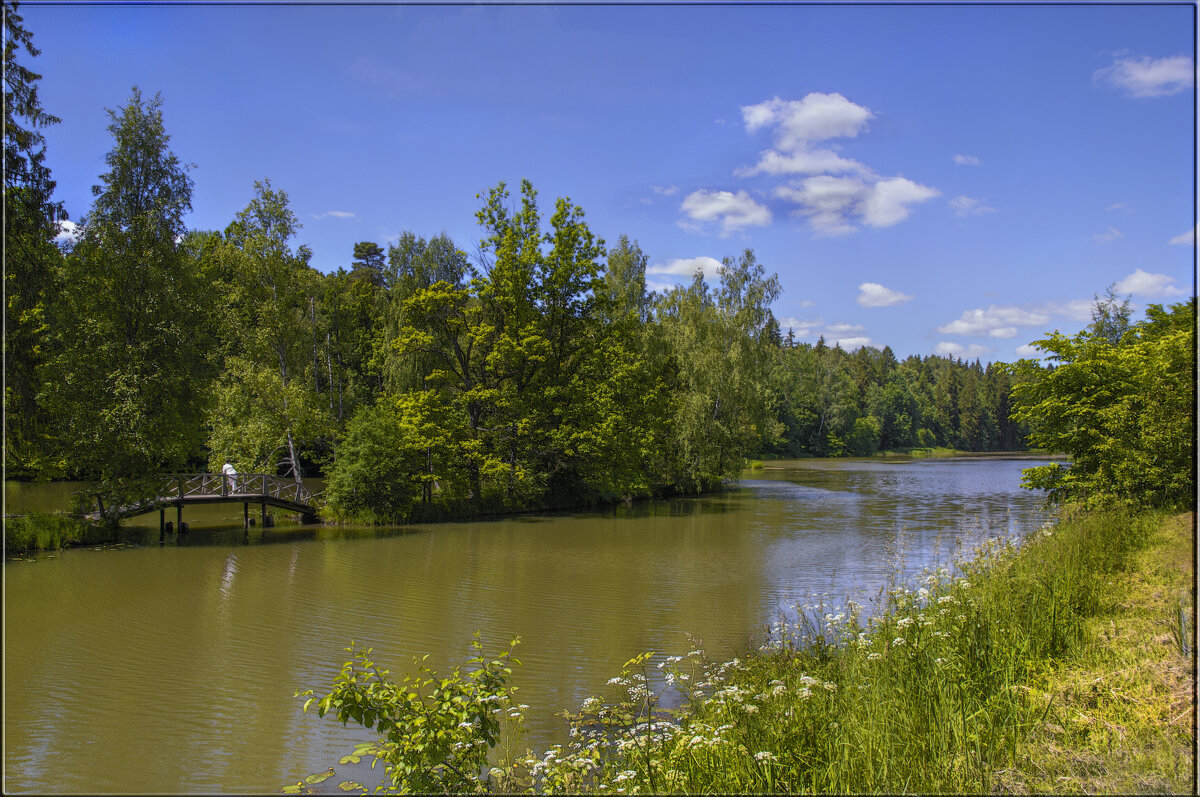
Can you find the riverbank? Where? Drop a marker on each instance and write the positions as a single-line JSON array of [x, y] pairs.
[[1122, 711], [1060, 664]]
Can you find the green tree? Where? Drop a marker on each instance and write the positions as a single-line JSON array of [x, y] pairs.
[[1123, 412], [269, 409], [368, 263], [390, 457], [31, 260], [125, 398], [414, 264], [721, 408], [625, 281]]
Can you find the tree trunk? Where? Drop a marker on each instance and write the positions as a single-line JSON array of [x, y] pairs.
[[293, 462], [329, 365]]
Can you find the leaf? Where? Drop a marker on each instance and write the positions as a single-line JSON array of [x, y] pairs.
[[350, 785], [350, 759], [320, 777]]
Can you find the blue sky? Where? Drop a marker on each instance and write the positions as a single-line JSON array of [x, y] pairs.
[[941, 179]]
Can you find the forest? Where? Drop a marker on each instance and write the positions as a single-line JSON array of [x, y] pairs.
[[419, 381]]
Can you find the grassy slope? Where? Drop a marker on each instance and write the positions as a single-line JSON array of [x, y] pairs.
[[1122, 714]]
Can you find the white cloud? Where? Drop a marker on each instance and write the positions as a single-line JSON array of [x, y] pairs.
[[997, 322], [337, 214], [1118, 206], [872, 294], [848, 336], [817, 117], [1075, 309], [68, 233], [732, 211], [655, 286], [967, 206], [950, 349], [800, 327], [1149, 77], [1184, 238], [665, 190], [853, 343], [888, 202], [1108, 236], [966, 160], [1029, 351], [832, 204], [1141, 283], [800, 123], [687, 267], [827, 201], [805, 161]]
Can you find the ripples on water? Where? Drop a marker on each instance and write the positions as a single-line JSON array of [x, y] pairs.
[[172, 669]]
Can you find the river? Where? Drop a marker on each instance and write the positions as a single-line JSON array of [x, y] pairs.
[[172, 669]]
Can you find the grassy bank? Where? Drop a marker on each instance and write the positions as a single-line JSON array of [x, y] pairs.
[[1062, 664], [1122, 710], [1054, 666]]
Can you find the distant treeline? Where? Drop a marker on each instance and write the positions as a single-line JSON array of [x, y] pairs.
[[418, 380]]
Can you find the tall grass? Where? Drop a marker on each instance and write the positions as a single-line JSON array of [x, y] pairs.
[[929, 695], [48, 532]]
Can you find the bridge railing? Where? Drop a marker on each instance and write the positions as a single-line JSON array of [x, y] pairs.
[[194, 485]]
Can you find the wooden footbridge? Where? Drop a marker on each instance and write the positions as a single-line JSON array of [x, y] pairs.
[[181, 489]]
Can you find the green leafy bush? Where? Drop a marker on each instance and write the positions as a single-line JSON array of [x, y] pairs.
[[1121, 404], [437, 731]]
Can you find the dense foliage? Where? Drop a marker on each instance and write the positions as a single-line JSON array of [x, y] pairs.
[[1119, 399], [30, 224], [419, 381], [425, 384]]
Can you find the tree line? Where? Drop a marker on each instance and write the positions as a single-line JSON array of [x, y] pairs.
[[416, 379]]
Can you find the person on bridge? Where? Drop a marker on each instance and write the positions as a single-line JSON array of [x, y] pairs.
[[229, 474]]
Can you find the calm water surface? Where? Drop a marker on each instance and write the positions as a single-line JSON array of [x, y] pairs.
[[172, 669]]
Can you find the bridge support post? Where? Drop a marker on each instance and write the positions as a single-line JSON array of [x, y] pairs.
[[179, 516], [162, 525], [264, 514], [245, 515]]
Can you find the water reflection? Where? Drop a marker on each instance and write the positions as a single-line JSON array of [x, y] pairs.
[[194, 651]]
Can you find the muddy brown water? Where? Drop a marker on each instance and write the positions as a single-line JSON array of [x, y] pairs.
[[172, 669]]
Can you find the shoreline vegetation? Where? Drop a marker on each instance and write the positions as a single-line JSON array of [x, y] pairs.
[[1062, 662], [35, 532]]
